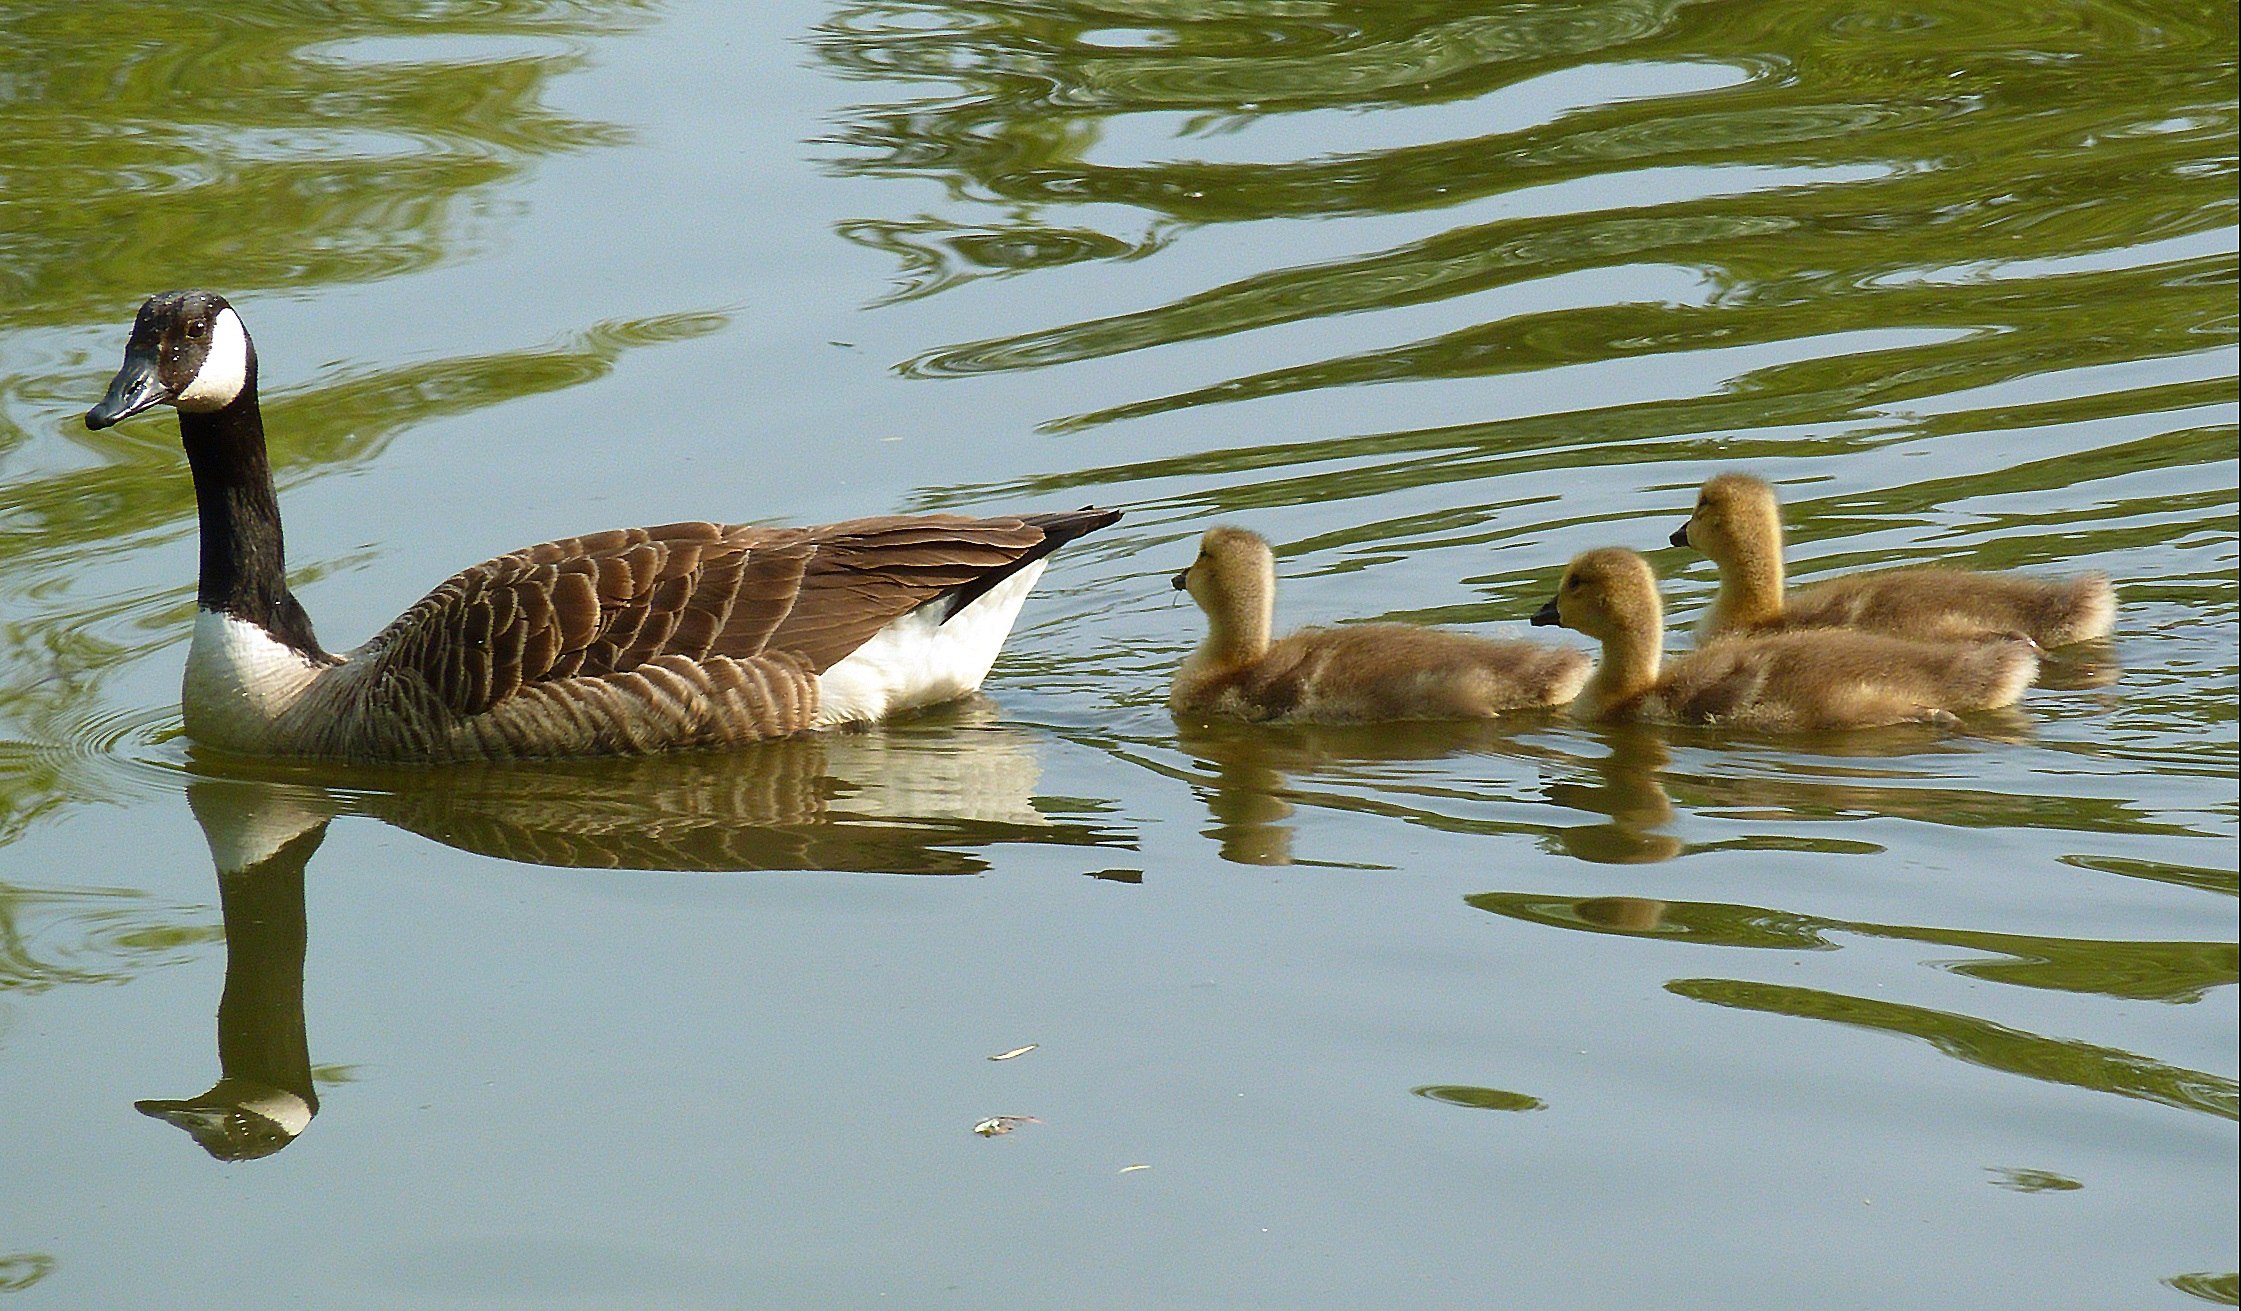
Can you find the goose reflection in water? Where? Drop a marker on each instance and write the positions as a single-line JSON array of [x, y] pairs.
[[919, 797], [260, 839]]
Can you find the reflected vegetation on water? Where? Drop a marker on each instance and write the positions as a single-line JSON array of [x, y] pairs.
[[1981, 1042], [1480, 1099], [20, 1270], [2216, 1289], [1833, 180], [55, 936], [268, 146], [2178, 972]]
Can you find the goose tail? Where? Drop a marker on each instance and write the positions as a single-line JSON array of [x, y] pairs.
[[1058, 529]]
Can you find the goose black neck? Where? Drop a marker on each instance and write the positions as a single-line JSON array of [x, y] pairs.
[[261, 1037], [244, 569]]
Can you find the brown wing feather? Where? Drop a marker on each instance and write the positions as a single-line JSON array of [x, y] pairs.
[[614, 602], [591, 606]]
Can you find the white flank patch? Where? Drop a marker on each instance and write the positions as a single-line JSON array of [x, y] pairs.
[[916, 661], [239, 682], [223, 371]]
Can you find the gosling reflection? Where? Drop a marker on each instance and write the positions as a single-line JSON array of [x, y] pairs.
[[1252, 787], [260, 839], [1628, 795], [2081, 667]]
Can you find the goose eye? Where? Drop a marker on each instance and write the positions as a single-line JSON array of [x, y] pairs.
[[197, 327]]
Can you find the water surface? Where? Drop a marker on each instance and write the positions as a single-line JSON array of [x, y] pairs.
[[1432, 295]]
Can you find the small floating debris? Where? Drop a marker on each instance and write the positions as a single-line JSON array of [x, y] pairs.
[[1015, 1052], [1131, 1169], [1002, 1124]]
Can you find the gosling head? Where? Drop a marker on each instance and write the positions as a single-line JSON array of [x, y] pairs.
[[1731, 508], [1235, 569], [1605, 592], [1233, 580], [188, 350]]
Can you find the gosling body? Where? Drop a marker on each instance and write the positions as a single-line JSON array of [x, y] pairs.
[[1737, 522], [1812, 679], [1359, 673], [647, 639]]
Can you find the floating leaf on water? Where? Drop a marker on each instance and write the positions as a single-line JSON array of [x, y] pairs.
[[1015, 1052], [1002, 1124]]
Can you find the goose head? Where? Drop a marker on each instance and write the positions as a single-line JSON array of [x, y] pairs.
[[1606, 593], [1734, 511], [188, 350]]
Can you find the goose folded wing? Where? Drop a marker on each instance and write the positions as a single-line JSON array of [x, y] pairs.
[[865, 573], [586, 607]]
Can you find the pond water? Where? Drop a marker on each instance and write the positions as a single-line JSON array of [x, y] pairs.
[[1434, 295]]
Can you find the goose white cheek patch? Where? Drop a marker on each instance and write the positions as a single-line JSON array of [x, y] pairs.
[[223, 371]]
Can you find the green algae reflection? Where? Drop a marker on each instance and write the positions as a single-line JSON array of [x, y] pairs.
[[2175, 972], [1981, 1042]]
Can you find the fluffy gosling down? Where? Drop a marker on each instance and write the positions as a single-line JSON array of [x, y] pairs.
[[1813, 679], [637, 640], [1361, 673], [1738, 523]]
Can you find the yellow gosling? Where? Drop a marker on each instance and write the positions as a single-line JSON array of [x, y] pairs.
[[1812, 679], [1738, 523], [1360, 673]]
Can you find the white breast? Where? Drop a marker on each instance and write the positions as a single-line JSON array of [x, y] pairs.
[[242, 836], [917, 661], [239, 683]]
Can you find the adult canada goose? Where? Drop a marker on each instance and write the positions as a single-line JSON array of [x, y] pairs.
[[636, 640], [1811, 679], [1738, 523], [1360, 673]]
